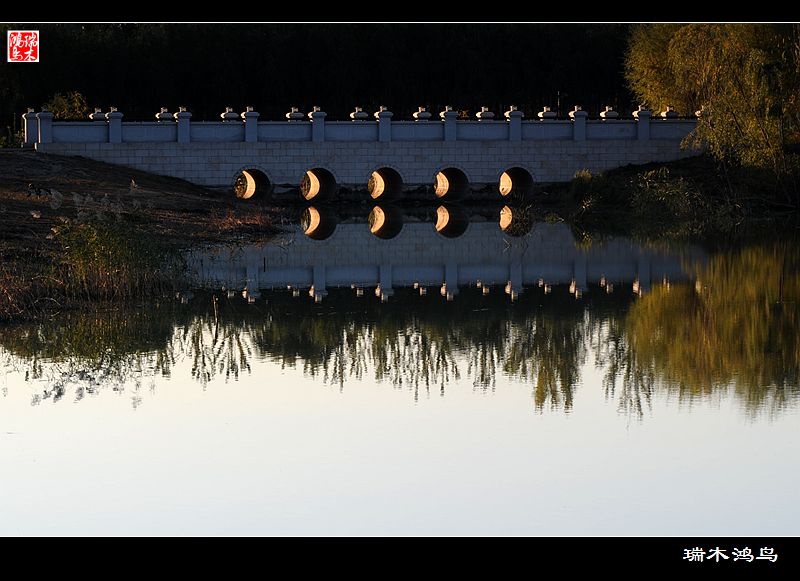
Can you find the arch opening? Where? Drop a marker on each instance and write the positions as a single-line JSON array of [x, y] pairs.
[[451, 184], [318, 184], [451, 221], [384, 184], [515, 221], [517, 181], [385, 222], [251, 183], [318, 223]]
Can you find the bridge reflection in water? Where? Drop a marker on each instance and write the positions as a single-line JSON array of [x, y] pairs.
[[388, 251]]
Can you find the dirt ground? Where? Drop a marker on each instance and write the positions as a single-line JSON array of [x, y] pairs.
[[81, 188]]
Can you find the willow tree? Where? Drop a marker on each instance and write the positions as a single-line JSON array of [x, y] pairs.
[[744, 78]]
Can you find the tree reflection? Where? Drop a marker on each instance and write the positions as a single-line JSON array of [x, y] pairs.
[[735, 329], [736, 326], [90, 350]]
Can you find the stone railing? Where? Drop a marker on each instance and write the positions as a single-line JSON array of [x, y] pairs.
[[245, 127]]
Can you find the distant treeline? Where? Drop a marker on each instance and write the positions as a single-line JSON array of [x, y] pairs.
[[206, 67]]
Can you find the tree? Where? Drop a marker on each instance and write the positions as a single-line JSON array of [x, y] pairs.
[[744, 77], [71, 106]]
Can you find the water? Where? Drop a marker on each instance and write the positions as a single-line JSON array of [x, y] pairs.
[[642, 389]]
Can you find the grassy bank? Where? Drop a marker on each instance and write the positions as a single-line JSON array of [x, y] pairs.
[[91, 261], [88, 232], [690, 198]]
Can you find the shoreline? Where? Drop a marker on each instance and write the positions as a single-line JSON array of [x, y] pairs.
[[113, 215]]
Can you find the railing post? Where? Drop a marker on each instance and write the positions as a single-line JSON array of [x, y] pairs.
[[250, 125], [45, 119], [578, 117], [384, 117], [449, 118], [514, 123], [183, 118], [642, 117], [114, 125], [30, 125], [317, 117]]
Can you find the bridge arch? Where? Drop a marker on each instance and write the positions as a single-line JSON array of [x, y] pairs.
[[385, 182], [516, 181], [318, 184], [451, 182], [252, 182]]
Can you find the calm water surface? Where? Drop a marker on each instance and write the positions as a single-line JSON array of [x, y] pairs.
[[611, 389]]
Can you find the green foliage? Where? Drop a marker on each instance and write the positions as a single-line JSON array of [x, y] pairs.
[[744, 77], [676, 200], [111, 260], [69, 107]]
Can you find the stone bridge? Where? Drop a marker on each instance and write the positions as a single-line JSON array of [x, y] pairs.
[[377, 153]]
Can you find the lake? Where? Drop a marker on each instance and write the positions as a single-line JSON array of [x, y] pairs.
[[447, 378]]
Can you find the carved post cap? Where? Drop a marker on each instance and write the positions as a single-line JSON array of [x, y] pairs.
[[163, 114], [578, 112], [317, 113], [670, 113], [448, 113], [513, 112], [484, 114], [249, 113], [295, 114], [422, 114], [359, 114], [383, 111], [609, 113], [229, 114], [546, 114]]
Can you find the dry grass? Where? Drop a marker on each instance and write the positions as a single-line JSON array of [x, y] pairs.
[[242, 221]]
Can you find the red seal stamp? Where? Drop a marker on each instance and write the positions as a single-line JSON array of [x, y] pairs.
[[23, 46]]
